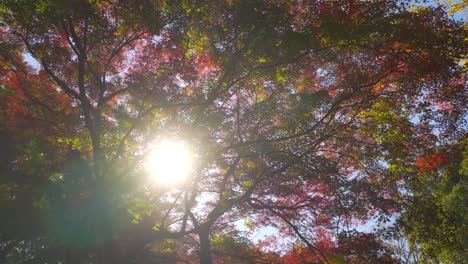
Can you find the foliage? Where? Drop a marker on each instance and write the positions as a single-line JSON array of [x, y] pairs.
[[308, 116], [437, 217]]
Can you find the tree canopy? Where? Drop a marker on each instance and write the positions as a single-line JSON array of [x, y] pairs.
[[310, 117]]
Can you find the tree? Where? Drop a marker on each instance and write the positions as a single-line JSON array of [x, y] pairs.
[[300, 112], [436, 219], [352, 247]]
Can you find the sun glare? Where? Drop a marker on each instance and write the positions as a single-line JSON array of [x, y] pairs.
[[169, 162]]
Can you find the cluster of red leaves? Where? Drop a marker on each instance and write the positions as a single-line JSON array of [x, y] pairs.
[[357, 248], [204, 64], [301, 255], [30, 103], [431, 162]]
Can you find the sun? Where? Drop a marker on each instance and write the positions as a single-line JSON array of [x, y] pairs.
[[169, 162]]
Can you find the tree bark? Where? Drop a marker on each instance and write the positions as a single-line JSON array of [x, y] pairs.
[[205, 245]]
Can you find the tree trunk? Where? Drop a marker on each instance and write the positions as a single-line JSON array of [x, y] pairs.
[[205, 246]]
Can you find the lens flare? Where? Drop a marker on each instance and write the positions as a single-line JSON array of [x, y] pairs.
[[169, 162]]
